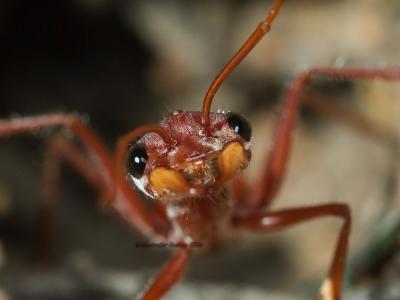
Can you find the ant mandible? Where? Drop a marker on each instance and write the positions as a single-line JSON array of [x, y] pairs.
[[185, 164]]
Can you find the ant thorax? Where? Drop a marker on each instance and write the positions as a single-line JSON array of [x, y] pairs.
[[196, 162]]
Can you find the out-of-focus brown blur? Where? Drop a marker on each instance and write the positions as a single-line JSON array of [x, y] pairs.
[[122, 64]]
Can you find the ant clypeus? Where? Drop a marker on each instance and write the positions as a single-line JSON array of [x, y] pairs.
[[185, 164]]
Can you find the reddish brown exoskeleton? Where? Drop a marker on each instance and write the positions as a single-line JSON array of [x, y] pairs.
[[185, 164]]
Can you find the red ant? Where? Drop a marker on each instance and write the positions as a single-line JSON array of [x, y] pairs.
[[186, 162]]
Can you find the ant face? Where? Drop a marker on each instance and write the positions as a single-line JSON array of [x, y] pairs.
[[198, 160]]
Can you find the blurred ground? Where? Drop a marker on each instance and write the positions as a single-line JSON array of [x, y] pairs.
[[105, 59]]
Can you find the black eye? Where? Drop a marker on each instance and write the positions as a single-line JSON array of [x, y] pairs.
[[239, 125], [136, 160]]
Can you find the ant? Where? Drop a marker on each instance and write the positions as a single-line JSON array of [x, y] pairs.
[[186, 164]]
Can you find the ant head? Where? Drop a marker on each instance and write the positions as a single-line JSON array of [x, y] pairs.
[[193, 154], [197, 160]]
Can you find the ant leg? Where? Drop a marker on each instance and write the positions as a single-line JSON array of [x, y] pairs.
[[168, 276], [59, 149], [272, 221], [125, 201], [275, 166]]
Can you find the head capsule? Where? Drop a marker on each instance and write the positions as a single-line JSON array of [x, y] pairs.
[[198, 160]]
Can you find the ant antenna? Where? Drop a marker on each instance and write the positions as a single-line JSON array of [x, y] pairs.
[[253, 39]]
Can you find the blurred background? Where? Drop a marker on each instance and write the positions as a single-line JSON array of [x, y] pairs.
[[125, 63]]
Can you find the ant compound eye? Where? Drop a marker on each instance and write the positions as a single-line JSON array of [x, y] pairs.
[[240, 125], [136, 160]]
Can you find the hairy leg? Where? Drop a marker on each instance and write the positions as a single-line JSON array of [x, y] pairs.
[[273, 221]]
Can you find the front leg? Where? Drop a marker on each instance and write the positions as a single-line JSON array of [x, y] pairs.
[[272, 221], [276, 163], [168, 276], [128, 203]]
